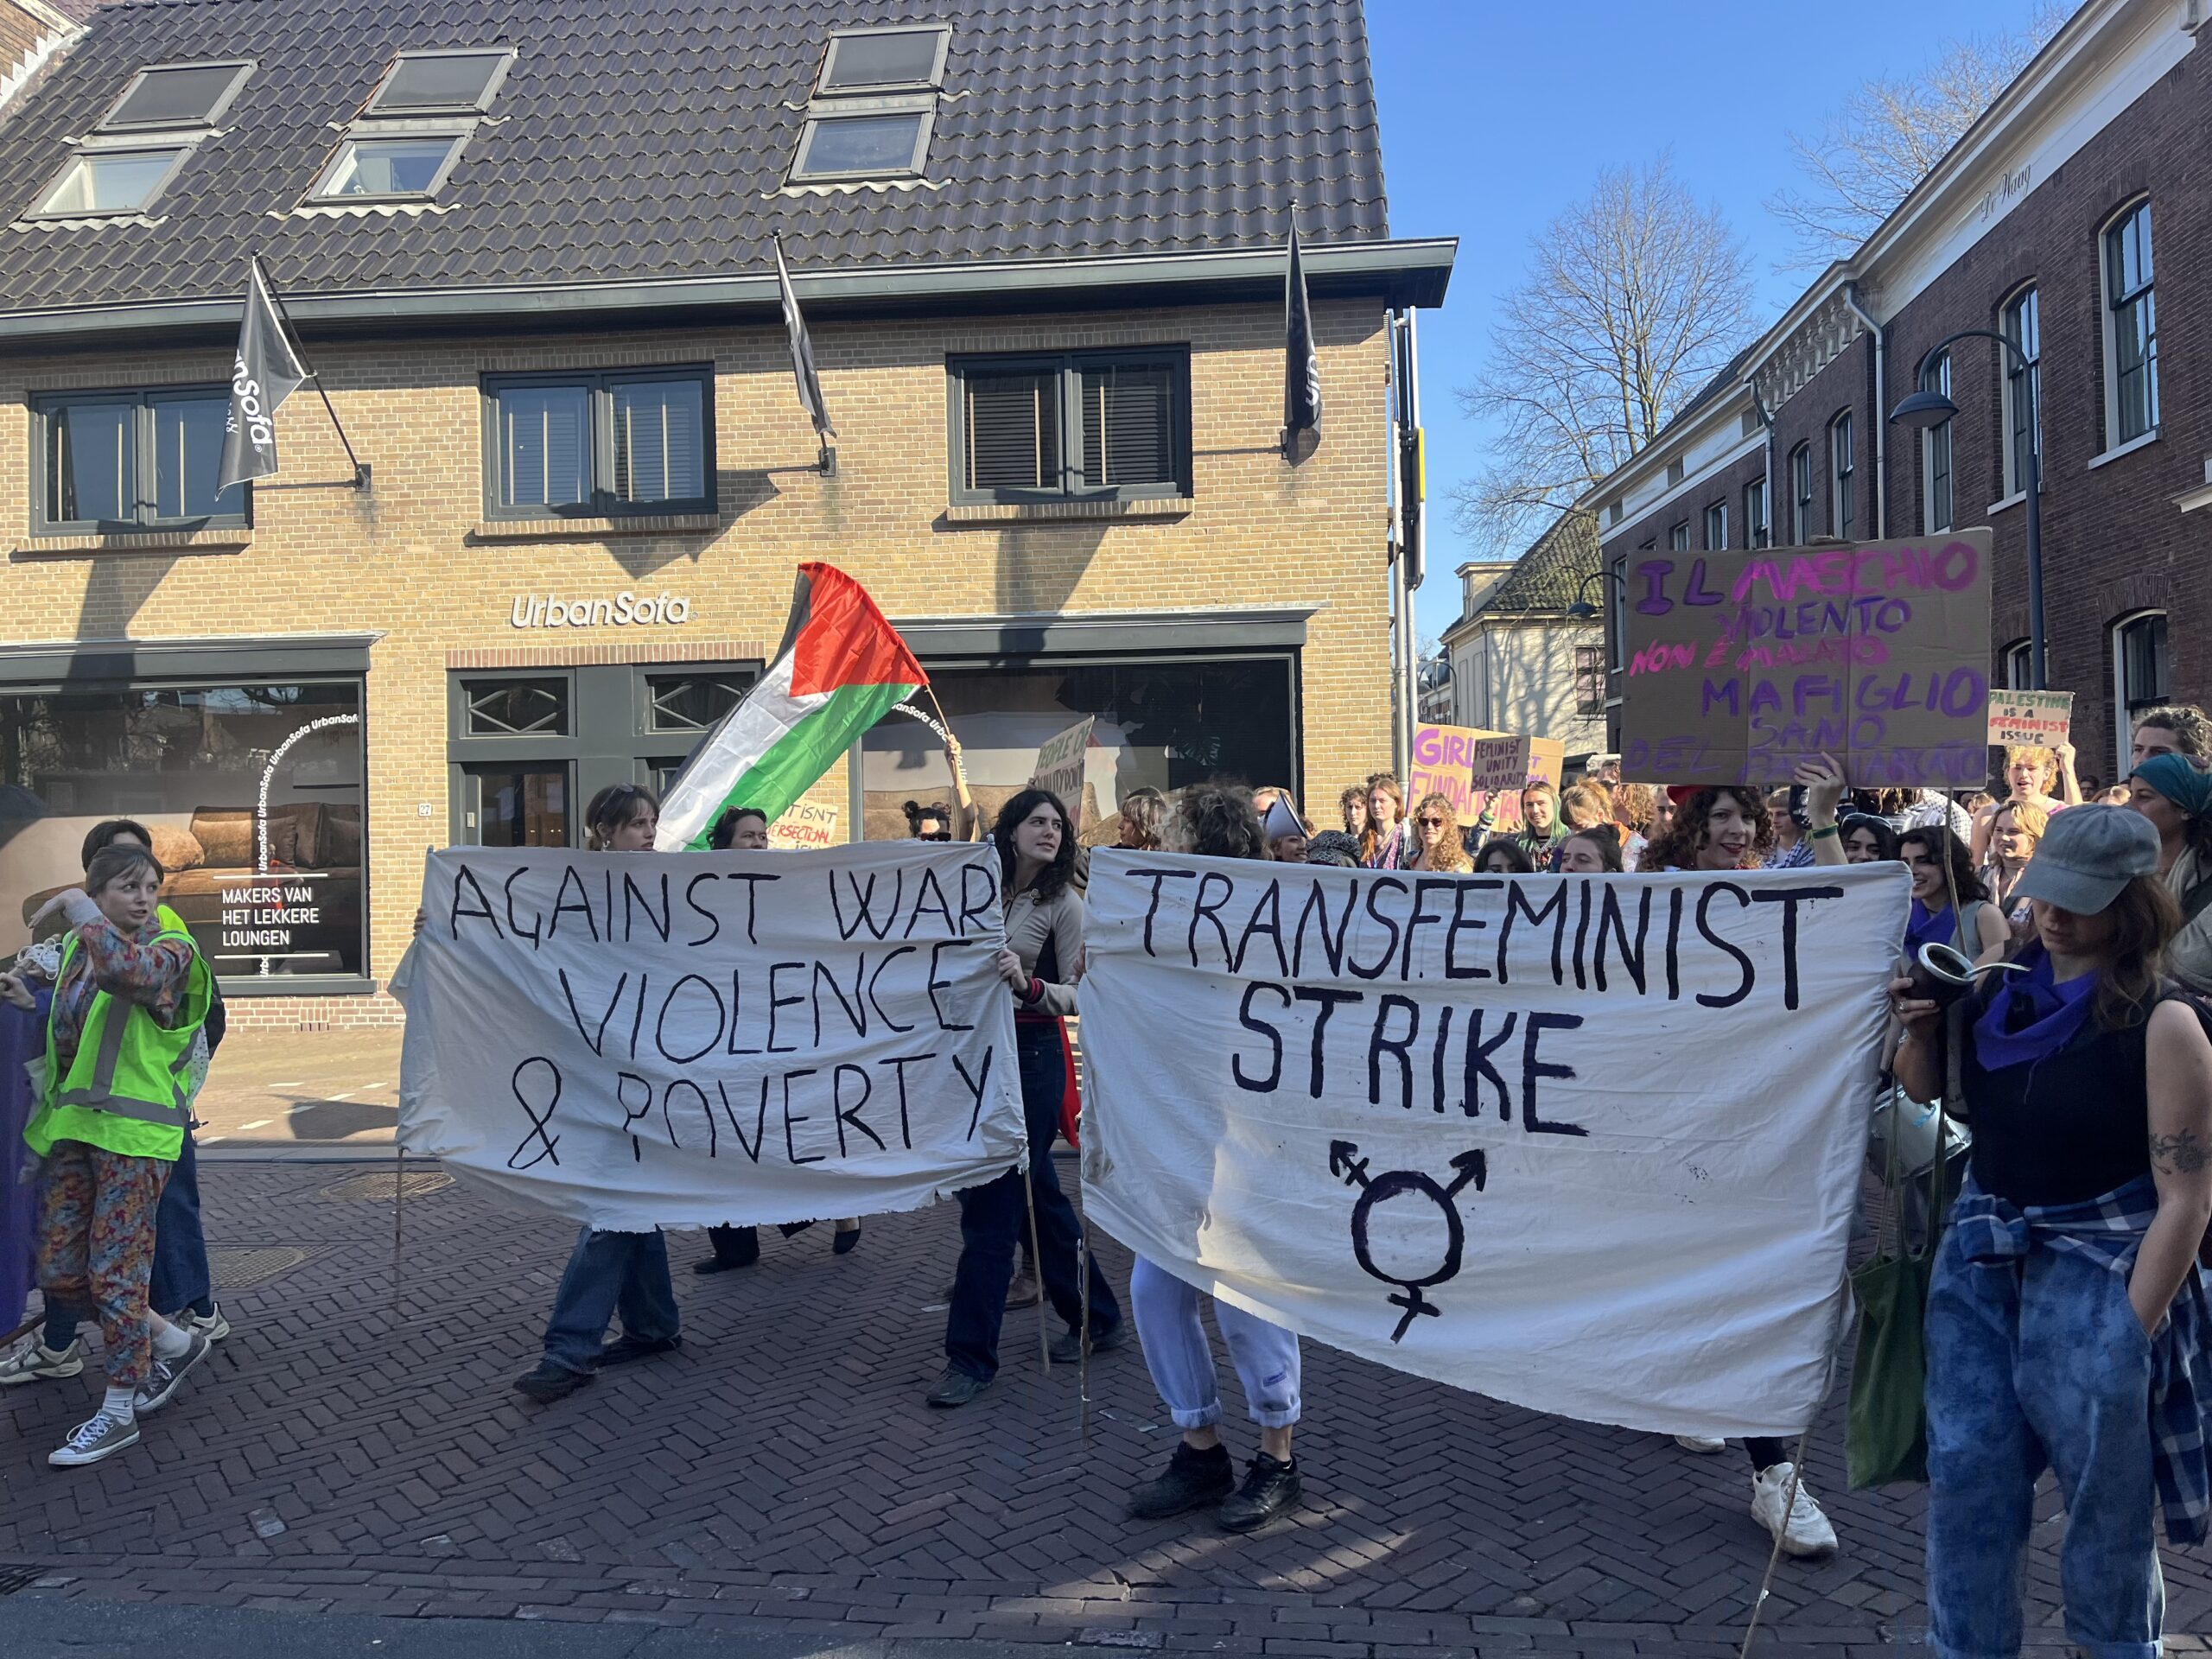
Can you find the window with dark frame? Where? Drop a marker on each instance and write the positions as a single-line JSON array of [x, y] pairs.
[[516, 707], [1935, 451], [603, 444], [2131, 317], [441, 83], [1716, 527], [2019, 666], [1678, 536], [1589, 679], [873, 104], [96, 183], [177, 95], [2023, 325], [1086, 425], [884, 60], [2142, 665], [1757, 531], [863, 144], [410, 134], [692, 703], [1843, 497], [144, 459], [1801, 495]]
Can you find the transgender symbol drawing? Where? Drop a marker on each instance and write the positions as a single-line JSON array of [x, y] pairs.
[[1345, 1161]]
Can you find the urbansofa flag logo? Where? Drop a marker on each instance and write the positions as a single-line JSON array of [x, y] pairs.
[[267, 372]]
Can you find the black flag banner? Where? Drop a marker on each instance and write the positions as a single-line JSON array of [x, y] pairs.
[[809, 383], [267, 371], [1301, 367]]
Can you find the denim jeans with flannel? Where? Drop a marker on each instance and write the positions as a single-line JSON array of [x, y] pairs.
[[2033, 1364]]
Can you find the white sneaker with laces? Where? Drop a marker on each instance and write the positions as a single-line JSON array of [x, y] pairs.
[[98, 1437], [1795, 1520], [35, 1362], [1705, 1446]]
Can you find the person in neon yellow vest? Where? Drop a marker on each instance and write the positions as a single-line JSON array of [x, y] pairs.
[[128, 1001]]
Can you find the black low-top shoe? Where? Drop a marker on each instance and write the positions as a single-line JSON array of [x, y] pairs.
[[1194, 1480], [1271, 1488], [847, 1240], [1067, 1347], [956, 1387], [626, 1348], [550, 1383]]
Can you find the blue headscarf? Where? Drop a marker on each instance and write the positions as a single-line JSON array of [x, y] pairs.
[[2188, 785]]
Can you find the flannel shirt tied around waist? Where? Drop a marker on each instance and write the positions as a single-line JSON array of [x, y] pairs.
[[2108, 1230]]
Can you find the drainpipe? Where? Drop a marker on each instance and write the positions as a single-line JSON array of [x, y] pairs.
[[1881, 411]]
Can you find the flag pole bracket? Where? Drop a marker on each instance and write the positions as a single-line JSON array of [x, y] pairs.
[[827, 460]]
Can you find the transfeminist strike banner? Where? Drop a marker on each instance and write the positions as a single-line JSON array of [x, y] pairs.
[[1590, 1146], [639, 1039], [1742, 664]]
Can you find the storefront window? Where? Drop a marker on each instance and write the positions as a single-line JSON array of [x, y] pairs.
[[253, 794], [1164, 724]]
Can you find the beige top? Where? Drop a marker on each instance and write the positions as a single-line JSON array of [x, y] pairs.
[[1028, 925], [2189, 958]]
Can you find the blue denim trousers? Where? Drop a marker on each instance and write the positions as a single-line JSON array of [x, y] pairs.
[[1180, 1359], [181, 1277], [608, 1271], [2038, 1364], [995, 1217]]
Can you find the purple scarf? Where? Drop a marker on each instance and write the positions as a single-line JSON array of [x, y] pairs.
[[2031, 1016], [1923, 926]]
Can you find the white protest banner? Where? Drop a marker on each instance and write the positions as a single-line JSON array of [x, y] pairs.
[[1060, 766], [1587, 1145], [804, 827], [2036, 719], [642, 1039]]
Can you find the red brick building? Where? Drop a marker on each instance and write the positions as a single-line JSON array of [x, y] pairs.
[[2074, 218]]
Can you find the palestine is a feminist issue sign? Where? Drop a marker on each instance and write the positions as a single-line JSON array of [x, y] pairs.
[[639, 1039], [1590, 1146]]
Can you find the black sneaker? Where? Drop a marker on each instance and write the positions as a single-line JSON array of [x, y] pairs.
[[626, 1348], [163, 1377], [1270, 1489], [734, 1247], [1067, 1347], [550, 1383], [1194, 1480], [956, 1387]]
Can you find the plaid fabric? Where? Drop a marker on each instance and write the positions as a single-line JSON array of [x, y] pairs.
[[2108, 1230]]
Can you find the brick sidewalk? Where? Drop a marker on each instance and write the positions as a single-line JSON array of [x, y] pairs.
[[357, 1449]]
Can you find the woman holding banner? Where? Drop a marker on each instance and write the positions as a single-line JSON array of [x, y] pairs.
[[609, 1271], [2066, 1319], [1040, 963], [1217, 823]]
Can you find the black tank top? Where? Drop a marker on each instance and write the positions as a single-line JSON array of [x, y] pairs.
[[2070, 1126]]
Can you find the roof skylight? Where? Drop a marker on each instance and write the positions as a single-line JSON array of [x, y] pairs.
[[177, 95], [883, 59], [441, 83]]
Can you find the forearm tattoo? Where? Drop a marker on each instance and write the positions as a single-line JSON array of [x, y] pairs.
[[2177, 1154]]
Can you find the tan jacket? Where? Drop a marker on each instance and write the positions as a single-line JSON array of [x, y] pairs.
[[1028, 925]]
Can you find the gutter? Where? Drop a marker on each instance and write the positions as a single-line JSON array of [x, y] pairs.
[[1412, 272], [1881, 411]]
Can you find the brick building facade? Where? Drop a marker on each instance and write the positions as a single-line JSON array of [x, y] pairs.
[[303, 695], [2033, 225]]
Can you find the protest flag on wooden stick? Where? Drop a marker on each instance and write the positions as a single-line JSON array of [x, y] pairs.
[[840, 668]]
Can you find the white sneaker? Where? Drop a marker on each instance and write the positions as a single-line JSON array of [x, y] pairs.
[[1703, 1445], [213, 1325], [98, 1437], [1795, 1521], [35, 1362]]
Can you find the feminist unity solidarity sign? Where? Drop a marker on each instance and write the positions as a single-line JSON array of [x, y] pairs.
[[1588, 1145], [637, 1041]]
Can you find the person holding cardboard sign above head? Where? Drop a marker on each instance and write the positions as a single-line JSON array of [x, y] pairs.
[[2031, 774], [609, 1271]]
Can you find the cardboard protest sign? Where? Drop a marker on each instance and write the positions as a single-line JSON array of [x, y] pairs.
[[805, 826], [639, 1039], [1442, 757], [1742, 664], [1542, 760], [2036, 719], [1477, 1129], [1501, 765], [1060, 764]]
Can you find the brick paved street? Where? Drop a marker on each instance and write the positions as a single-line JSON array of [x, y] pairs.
[[354, 1448]]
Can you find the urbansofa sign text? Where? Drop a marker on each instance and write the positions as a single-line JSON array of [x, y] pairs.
[[625, 609]]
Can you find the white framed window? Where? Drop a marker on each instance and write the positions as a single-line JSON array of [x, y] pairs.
[[1757, 531], [2140, 675], [1801, 495], [2131, 329], [1937, 510], [1716, 527], [1843, 479], [1678, 538], [390, 167], [2021, 323], [101, 182]]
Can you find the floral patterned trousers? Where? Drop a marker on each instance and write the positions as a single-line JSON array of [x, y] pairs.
[[96, 1246]]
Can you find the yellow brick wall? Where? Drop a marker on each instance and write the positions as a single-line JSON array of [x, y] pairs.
[[402, 559]]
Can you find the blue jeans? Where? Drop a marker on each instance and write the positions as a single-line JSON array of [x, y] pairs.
[[181, 1280], [607, 1271], [2039, 1364], [995, 1217], [1181, 1359]]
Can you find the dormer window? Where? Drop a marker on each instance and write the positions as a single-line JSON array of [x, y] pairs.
[[411, 133], [177, 95], [873, 104]]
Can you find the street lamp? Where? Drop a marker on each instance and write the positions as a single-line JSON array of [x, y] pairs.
[[1927, 408], [1582, 610]]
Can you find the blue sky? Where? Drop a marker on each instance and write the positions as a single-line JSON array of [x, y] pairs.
[[1495, 117]]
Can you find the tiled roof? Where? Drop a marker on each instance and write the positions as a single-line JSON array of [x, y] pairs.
[[638, 139], [1549, 577]]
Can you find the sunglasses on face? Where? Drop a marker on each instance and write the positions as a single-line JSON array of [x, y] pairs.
[[1432, 824]]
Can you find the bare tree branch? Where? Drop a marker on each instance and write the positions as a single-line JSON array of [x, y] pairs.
[[1634, 298], [1888, 136]]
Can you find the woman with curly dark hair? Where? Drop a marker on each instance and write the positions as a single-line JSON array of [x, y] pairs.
[[1040, 963]]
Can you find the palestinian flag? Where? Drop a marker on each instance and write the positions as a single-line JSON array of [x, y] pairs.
[[840, 668]]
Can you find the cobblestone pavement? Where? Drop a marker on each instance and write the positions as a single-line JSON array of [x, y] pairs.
[[354, 1448]]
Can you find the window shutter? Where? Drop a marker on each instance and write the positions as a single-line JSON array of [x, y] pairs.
[[1128, 425], [659, 441], [1013, 431]]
